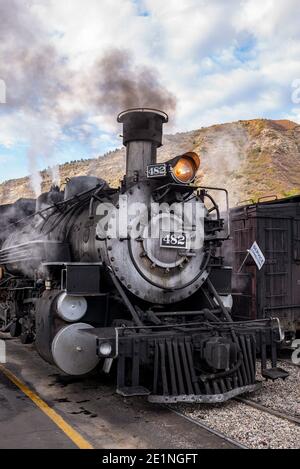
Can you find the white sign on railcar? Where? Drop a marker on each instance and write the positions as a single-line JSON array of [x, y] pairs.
[[257, 255]]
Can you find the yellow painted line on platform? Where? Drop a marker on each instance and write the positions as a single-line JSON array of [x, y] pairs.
[[71, 433]]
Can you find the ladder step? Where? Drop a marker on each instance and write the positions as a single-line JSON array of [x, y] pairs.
[[275, 373]]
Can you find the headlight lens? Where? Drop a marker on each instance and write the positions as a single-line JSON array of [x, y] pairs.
[[186, 168], [105, 349]]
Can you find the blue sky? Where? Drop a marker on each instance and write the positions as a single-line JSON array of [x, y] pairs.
[[222, 61]]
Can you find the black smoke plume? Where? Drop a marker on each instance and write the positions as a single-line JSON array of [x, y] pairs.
[[117, 83]]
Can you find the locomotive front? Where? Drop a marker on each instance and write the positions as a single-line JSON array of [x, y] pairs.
[[132, 279], [153, 236]]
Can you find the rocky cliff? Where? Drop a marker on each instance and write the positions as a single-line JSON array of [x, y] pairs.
[[252, 159]]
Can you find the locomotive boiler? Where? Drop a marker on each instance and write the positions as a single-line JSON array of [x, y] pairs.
[[131, 280]]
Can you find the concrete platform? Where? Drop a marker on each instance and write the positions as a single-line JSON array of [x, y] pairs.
[[23, 425]]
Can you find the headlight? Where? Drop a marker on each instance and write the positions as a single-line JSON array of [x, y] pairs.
[[186, 167], [105, 349]]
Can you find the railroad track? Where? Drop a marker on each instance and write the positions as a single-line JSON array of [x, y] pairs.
[[248, 402], [208, 428], [289, 362], [276, 413], [245, 423]]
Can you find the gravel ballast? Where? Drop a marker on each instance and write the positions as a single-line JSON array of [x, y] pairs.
[[252, 427], [283, 396]]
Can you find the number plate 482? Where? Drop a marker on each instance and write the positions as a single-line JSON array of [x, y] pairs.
[[173, 240], [156, 170]]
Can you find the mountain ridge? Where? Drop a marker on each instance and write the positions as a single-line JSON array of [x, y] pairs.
[[251, 158]]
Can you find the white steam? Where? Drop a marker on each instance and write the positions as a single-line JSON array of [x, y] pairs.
[[49, 102], [223, 151]]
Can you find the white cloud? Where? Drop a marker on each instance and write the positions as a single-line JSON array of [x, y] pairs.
[[223, 60]]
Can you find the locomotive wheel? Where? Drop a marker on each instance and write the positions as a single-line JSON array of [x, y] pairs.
[[26, 337], [15, 329]]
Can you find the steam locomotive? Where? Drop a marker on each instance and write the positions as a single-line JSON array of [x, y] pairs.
[[131, 280]]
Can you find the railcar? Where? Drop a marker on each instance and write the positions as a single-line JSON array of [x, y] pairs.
[[275, 289]]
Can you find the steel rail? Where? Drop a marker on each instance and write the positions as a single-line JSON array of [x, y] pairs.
[[275, 413], [206, 427]]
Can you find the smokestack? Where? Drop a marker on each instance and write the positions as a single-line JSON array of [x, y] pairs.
[[142, 135]]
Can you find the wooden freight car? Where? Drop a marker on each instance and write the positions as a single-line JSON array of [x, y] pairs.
[[275, 289]]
